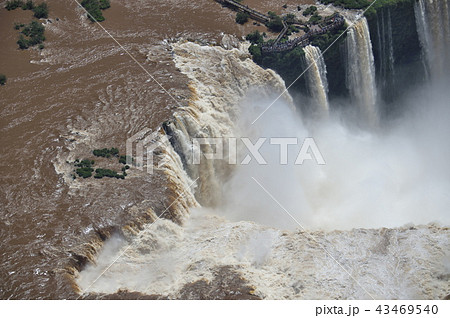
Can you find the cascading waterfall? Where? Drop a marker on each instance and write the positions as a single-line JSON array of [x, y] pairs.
[[360, 77], [316, 75], [422, 30], [386, 51], [183, 187], [213, 110], [433, 27], [207, 173]]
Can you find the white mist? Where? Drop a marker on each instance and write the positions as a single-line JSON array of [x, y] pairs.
[[386, 178]]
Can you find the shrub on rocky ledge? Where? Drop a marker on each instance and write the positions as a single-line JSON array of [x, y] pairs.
[[41, 11], [242, 17], [94, 9]]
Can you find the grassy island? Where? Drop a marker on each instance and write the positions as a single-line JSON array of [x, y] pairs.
[[85, 168]]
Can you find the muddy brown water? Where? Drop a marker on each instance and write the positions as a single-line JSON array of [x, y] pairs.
[[82, 81]]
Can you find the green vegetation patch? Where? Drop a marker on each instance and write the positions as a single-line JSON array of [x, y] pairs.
[[255, 37], [84, 172], [323, 41], [17, 26], [41, 11], [287, 63], [31, 34], [85, 168], [86, 163], [100, 173], [348, 4], [276, 23], [125, 159], [104, 4], [94, 9], [379, 4], [29, 5], [2, 79], [242, 17], [290, 18], [361, 4], [310, 10], [106, 153], [12, 5], [315, 18]]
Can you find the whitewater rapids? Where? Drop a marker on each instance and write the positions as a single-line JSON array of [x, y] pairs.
[[404, 263]]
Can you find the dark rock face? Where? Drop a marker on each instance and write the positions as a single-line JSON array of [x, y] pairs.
[[227, 284], [124, 295], [397, 52]]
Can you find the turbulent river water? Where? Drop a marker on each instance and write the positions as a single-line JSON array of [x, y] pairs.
[[368, 210]]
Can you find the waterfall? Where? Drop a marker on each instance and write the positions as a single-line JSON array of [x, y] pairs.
[[372, 189], [213, 109], [386, 52], [316, 76], [433, 27], [360, 76]]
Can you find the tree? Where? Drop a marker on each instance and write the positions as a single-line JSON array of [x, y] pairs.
[[242, 17], [93, 7], [100, 173], [22, 42], [290, 18], [310, 10], [275, 24], [106, 153], [255, 51], [85, 172], [86, 163], [272, 14], [41, 11], [255, 37], [104, 4], [35, 33], [315, 18], [350, 4], [2, 79], [12, 5], [29, 5]]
